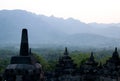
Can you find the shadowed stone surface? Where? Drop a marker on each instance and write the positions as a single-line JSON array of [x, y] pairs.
[[24, 48]]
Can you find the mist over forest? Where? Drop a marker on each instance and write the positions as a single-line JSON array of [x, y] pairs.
[[51, 31], [48, 36]]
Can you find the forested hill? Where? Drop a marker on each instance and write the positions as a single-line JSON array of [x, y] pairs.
[[57, 31]]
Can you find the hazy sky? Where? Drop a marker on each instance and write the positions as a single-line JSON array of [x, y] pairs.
[[101, 11]]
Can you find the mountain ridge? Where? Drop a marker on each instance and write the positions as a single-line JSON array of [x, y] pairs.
[[52, 30]]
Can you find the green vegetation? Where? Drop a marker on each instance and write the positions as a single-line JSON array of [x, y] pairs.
[[48, 58], [48, 65], [79, 58]]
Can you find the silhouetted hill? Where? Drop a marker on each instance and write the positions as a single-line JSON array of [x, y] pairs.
[[57, 31], [11, 23], [108, 30]]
